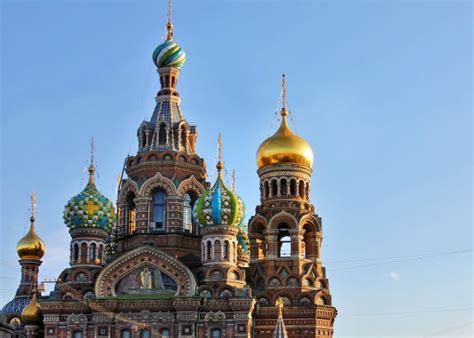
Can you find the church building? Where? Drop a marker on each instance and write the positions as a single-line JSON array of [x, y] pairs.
[[174, 255]]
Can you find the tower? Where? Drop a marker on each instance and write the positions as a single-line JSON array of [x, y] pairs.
[[166, 176], [285, 239], [30, 249], [89, 216]]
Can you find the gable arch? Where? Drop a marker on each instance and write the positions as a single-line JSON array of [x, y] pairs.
[[157, 181], [281, 217], [111, 275], [191, 184], [310, 219], [256, 221], [129, 186]]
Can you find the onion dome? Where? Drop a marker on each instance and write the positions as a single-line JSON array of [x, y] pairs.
[[243, 240], [31, 246], [31, 314], [219, 205], [169, 53], [89, 209], [284, 147]]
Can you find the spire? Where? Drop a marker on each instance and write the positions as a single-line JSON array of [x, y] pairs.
[[169, 25], [220, 164], [283, 111], [33, 209], [91, 166], [280, 330]]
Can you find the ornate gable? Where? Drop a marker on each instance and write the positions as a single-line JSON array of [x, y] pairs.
[[145, 270]]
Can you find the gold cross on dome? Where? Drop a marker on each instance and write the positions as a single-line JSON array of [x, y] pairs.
[[91, 207]]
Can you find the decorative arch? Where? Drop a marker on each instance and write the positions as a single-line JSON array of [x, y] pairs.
[[129, 186], [322, 297], [310, 219], [157, 181], [285, 217], [191, 184], [257, 220], [150, 154], [145, 256]]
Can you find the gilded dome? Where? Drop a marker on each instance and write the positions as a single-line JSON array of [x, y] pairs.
[[31, 314], [31, 246], [284, 147], [89, 209]]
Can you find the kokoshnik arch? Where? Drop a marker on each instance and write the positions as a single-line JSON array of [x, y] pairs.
[[175, 258]]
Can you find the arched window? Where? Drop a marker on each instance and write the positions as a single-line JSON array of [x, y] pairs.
[[216, 333], [165, 332], [183, 136], [77, 334], [83, 252], [284, 240], [274, 188], [76, 252], [92, 252], [187, 213], [301, 189], [208, 251], [283, 187], [167, 81], [309, 240], [257, 242], [143, 137], [145, 334], [159, 203], [173, 81], [217, 250], [307, 190], [126, 334], [226, 250], [293, 187], [100, 255], [162, 134], [266, 189], [130, 214]]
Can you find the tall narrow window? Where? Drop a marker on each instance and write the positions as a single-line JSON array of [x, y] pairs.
[[183, 137], [267, 189], [162, 134], [226, 250], [131, 225], [208, 251], [92, 252], [83, 252], [301, 188], [165, 332], [76, 252], [159, 202], [274, 188], [187, 213], [293, 187], [100, 254], [284, 240], [283, 187]]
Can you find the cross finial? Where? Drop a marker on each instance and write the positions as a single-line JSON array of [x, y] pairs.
[[33, 207], [91, 166], [169, 25], [220, 164], [233, 180], [283, 96]]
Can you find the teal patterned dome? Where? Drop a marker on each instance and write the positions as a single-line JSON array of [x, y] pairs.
[[90, 209], [169, 54], [219, 205]]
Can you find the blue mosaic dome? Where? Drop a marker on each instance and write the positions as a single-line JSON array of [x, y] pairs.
[[15, 306], [90, 209], [219, 205]]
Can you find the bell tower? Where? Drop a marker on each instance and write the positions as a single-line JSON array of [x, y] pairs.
[[285, 239]]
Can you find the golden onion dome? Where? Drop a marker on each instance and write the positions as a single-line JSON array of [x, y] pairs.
[[31, 314], [31, 246], [284, 147]]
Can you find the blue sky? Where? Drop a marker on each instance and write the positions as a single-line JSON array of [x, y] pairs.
[[381, 89]]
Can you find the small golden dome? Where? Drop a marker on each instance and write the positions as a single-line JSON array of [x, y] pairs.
[[31, 314], [284, 147], [31, 246]]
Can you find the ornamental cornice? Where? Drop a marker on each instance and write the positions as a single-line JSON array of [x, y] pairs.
[[289, 169]]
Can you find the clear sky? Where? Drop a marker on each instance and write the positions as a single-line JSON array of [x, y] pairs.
[[381, 89]]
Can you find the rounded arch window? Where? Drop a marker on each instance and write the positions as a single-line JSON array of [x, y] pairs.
[[126, 334], [165, 332], [145, 334], [159, 208], [93, 252], [77, 334], [284, 240]]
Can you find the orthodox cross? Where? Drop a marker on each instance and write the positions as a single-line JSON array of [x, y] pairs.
[[283, 91], [33, 206], [92, 150], [169, 25]]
